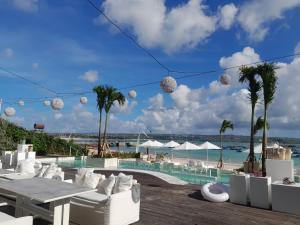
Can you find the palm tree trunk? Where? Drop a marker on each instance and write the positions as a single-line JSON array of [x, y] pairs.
[[252, 158], [264, 144], [104, 133], [220, 163], [99, 134]]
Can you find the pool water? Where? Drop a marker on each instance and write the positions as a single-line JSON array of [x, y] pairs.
[[189, 174]]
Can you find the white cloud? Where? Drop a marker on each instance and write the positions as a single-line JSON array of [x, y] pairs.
[[126, 108], [297, 49], [26, 5], [180, 27], [247, 56], [255, 16], [90, 76], [35, 65], [227, 15], [58, 115], [8, 52], [157, 101]]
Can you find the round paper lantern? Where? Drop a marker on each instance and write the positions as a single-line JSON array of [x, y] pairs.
[[132, 94], [21, 103], [9, 111], [47, 103], [225, 79], [168, 84], [57, 103], [83, 100]]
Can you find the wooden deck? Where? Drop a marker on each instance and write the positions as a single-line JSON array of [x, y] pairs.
[[166, 204]]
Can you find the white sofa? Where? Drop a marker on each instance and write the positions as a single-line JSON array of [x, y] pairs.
[[96, 208], [10, 220]]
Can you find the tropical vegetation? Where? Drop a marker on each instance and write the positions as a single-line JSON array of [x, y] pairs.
[[249, 75], [107, 96], [267, 74], [226, 124], [43, 144]]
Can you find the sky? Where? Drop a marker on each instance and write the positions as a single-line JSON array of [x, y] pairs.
[[67, 46]]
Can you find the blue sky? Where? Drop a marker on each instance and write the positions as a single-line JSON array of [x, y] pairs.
[[58, 43]]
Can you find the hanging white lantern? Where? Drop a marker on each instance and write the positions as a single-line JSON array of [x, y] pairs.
[[21, 103], [132, 94], [83, 100], [57, 104], [168, 84], [47, 103], [9, 111], [225, 79]]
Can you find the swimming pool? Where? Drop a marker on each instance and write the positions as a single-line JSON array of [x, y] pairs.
[[189, 174]]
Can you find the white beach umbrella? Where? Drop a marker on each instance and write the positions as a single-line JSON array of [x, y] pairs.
[[187, 146], [171, 144], [148, 143], [207, 145], [257, 149], [157, 144]]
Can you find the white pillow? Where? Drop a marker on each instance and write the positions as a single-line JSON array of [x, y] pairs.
[[106, 186], [25, 166], [50, 171], [123, 183], [42, 171], [79, 177], [91, 180]]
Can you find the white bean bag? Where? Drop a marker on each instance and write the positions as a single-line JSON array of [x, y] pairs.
[[215, 192]]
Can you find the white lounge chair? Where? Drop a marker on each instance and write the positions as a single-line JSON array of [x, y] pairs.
[[10, 220]]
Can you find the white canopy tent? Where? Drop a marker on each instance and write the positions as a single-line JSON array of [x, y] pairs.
[[171, 144], [187, 146], [207, 145], [258, 148]]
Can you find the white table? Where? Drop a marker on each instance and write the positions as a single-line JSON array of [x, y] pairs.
[[31, 192]]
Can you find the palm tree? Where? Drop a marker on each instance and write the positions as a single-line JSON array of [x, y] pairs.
[[225, 125], [101, 96], [259, 125], [248, 75], [268, 76], [112, 95]]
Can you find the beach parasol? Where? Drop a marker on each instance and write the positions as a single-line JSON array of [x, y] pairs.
[[207, 145], [187, 146], [171, 144]]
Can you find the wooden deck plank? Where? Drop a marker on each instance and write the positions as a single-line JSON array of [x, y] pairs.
[[166, 204]]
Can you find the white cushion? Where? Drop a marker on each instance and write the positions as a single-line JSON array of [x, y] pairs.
[[106, 186], [25, 166], [91, 180], [79, 177], [93, 196], [50, 171], [5, 217], [123, 183], [83, 171], [42, 171]]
